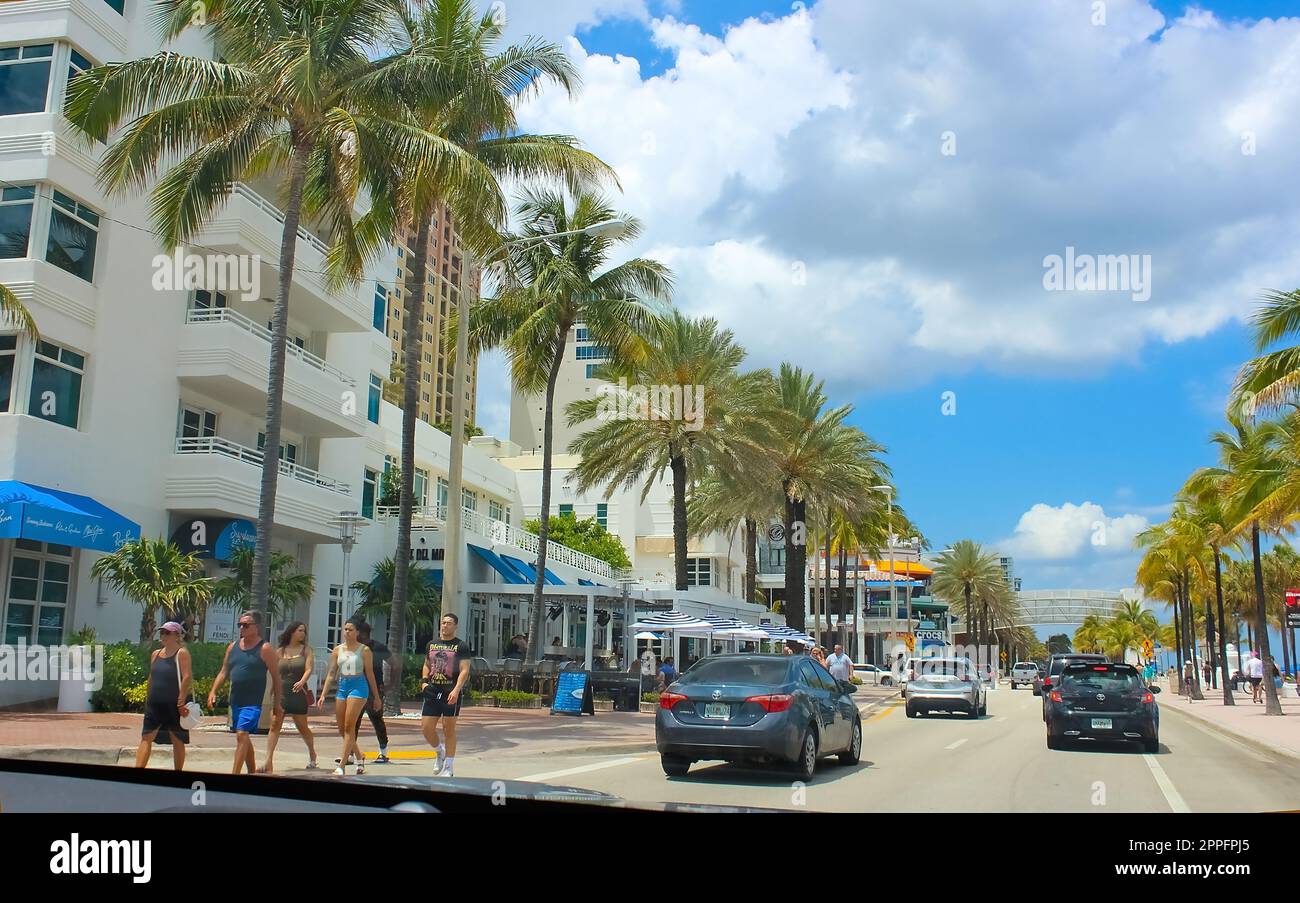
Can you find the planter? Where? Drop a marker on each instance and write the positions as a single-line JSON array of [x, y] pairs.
[[602, 705], [649, 708], [74, 694], [530, 704], [489, 702]]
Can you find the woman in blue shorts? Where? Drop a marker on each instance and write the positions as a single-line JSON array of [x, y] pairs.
[[352, 662]]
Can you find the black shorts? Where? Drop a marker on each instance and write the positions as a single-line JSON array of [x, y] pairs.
[[436, 704], [1256, 681], [166, 720]]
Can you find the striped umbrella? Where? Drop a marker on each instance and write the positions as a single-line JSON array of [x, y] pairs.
[[787, 633], [672, 620], [728, 627]]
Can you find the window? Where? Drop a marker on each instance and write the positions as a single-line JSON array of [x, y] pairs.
[[16, 203], [565, 509], [699, 572], [380, 314], [428, 358], [206, 300], [8, 355], [56, 384], [420, 487], [426, 377], [495, 510], [442, 494], [602, 515], [334, 626], [592, 352], [74, 233], [198, 424], [376, 392], [426, 397], [77, 64], [117, 6], [591, 370], [288, 451], [39, 578], [584, 334], [469, 499], [25, 78], [369, 489]]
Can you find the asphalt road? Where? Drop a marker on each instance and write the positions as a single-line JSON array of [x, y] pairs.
[[947, 763]]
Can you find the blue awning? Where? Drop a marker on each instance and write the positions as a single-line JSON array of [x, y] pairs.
[[507, 573], [214, 537], [524, 572], [584, 582], [52, 515]]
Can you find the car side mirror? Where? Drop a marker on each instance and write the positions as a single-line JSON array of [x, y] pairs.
[[1155, 689], [848, 687]]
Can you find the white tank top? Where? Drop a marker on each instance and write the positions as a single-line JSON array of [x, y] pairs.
[[351, 664]]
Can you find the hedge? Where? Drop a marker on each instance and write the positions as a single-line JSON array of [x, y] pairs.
[[126, 673]]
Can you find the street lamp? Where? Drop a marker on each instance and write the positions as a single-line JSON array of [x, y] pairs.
[[451, 588], [348, 523], [893, 597]]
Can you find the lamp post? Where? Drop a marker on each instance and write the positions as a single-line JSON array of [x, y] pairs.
[[451, 583], [893, 594], [348, 522]]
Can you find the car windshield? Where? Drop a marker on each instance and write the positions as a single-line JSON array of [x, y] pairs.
[[760, 672], [1110, 681], [949, 667]]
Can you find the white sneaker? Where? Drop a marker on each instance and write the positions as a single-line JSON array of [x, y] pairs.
[[340, 772], [440, 754], [445, 772]]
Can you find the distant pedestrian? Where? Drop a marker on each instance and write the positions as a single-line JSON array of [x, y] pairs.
[[296, 662], [354, 663], [380, 656], [819, 654], [166, 695], [839, 664], [788, 649], [667, 672], [648, 669], [1255, 673], [248, 662], [443, 681], [1208, 672]]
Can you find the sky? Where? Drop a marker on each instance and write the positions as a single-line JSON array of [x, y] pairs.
[[875, 191]]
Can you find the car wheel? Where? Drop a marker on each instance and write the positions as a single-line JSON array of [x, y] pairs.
[[886, 682], [1037, 692], [851, 755], [675, 766], [974, 710], [911, 712], [1053, 741], [1151, 746], [806, 765]]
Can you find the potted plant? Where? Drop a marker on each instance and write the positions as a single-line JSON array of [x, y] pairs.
[[76, 671], [603, 702], [649, 703]]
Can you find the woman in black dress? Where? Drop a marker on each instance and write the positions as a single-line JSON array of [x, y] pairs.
[[168, 690], [296, 663]]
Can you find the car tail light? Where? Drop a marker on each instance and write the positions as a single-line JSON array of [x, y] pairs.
[[777, 703], [1056, 696], [668, 700], [1149, 697]]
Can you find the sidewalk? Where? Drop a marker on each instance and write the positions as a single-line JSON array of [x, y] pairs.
[[1245, 721]]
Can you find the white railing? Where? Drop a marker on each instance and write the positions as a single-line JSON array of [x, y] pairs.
[[213, 445], [501, 533], [246, 192], [226, 315]]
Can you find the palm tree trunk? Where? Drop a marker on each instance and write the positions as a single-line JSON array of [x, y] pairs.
[[678, 465], [1223, 633], [1273, 705], [413, 328], [817, 589], [796, 561], [148, 625], [275, 376], [751, 558], [844, 589], [1178, 633], [548, 433], [1196, 692], [826, 603]]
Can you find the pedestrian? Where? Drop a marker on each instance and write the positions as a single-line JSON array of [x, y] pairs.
[[819, 654], [839, 664], [517, 648], [788, 649], [443, 680], [248, 661], [380, 656], [296, 662], [166, 694], [1189, 675], [667, 673], [355, 666], [1208, 672], [1255, 672], [648, 669]]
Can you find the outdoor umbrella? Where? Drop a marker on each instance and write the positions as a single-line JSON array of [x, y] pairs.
[[672, 620]]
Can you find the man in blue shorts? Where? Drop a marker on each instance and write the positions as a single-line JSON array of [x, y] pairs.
[[248, 662], [443, 680]]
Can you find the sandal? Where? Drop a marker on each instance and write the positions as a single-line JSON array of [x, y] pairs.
[[312, 764]]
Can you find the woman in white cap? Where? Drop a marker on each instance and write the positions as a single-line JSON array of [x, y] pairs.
[[166, 696]]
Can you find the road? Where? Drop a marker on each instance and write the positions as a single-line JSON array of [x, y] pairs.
[[943, 763]]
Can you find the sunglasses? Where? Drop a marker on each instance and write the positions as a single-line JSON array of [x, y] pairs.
[[243, 624]]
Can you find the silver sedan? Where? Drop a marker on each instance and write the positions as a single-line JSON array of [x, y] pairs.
[[946, 685]]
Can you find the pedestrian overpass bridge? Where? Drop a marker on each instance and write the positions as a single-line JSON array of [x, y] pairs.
[[1066, 606]]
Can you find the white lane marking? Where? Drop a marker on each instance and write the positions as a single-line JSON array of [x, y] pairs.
[[581, 769], [957, 744], [1172, 796]]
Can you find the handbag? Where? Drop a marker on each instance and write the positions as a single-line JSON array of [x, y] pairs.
[[194, 712]]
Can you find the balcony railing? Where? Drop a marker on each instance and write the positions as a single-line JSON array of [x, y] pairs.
[[213, 445], [246, 192], [501, 533], [226, 315]]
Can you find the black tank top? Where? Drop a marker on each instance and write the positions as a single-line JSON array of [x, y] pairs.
[[164, 682]]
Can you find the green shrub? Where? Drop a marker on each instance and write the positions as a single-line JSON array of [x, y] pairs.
[[134, 697], [857, 681], [513, 697], [122, 671], [604, 697], [650, 697], [203, 686]]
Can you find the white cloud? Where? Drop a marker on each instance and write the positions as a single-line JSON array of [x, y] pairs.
[[1070, 532], [557, 19]]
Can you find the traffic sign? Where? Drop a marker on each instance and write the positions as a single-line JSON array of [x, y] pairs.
[[1148, 649], [1004, 655], [910, 642]]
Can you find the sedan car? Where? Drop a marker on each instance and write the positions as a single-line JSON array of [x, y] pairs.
[[873, 674], [757, 709], [946, 685], [1102, 702]]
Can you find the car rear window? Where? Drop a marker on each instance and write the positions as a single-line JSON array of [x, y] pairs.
[[1112, 680], [769, 672], [952, 666], [1058, 665], [1026, 665]]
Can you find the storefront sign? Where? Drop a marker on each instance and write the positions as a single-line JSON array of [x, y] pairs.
[[573, 694]]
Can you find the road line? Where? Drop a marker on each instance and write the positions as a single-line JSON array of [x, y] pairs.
[[581, 769], [957, 744], [892, 708], [1172, 796]]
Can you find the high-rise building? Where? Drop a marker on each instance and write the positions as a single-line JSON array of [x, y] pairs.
[[449, 272], [576, 381]]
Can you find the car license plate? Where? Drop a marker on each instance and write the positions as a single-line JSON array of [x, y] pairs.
[[1101, 724], [717, 710]]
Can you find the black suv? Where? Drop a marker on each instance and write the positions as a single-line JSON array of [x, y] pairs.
[[1102, 701], [1054, 667]]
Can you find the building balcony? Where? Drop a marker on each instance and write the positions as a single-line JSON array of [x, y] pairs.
[[95, 25], [215, 477], [226, 356], [251, 224]]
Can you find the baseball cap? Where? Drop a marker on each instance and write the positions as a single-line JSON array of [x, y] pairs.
[[173, 627]]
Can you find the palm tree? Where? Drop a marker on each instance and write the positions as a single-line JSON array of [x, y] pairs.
[[969, 576], [667, 434], [1206, 491], [474, 111], [1118, 636], [729, 494], [559, 282], [377, 597], [294, 90], [1271, 381], [866, 534], [287, 589], [1088, 638], [13, 310], [821, 461], [157, 576]]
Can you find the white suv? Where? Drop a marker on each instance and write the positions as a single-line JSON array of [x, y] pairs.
[[1024, 673]]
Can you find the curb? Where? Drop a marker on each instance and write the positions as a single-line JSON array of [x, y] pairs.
[[1229, 733]]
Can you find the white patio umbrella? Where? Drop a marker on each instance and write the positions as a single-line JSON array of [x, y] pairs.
[[671, 620]]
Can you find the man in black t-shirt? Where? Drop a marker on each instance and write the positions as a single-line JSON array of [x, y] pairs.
[[379, 654], [443, 679]]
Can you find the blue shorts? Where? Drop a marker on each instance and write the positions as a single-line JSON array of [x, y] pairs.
[[247, 718], [354, 687]]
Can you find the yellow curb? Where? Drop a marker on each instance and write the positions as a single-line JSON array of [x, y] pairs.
[[887, 711]]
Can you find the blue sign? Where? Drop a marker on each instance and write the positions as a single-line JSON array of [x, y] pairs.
[[220, 536], [51, 515], [573, 694], [235, 534]]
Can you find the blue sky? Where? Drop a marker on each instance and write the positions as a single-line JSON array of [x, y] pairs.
[[809, 142]]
